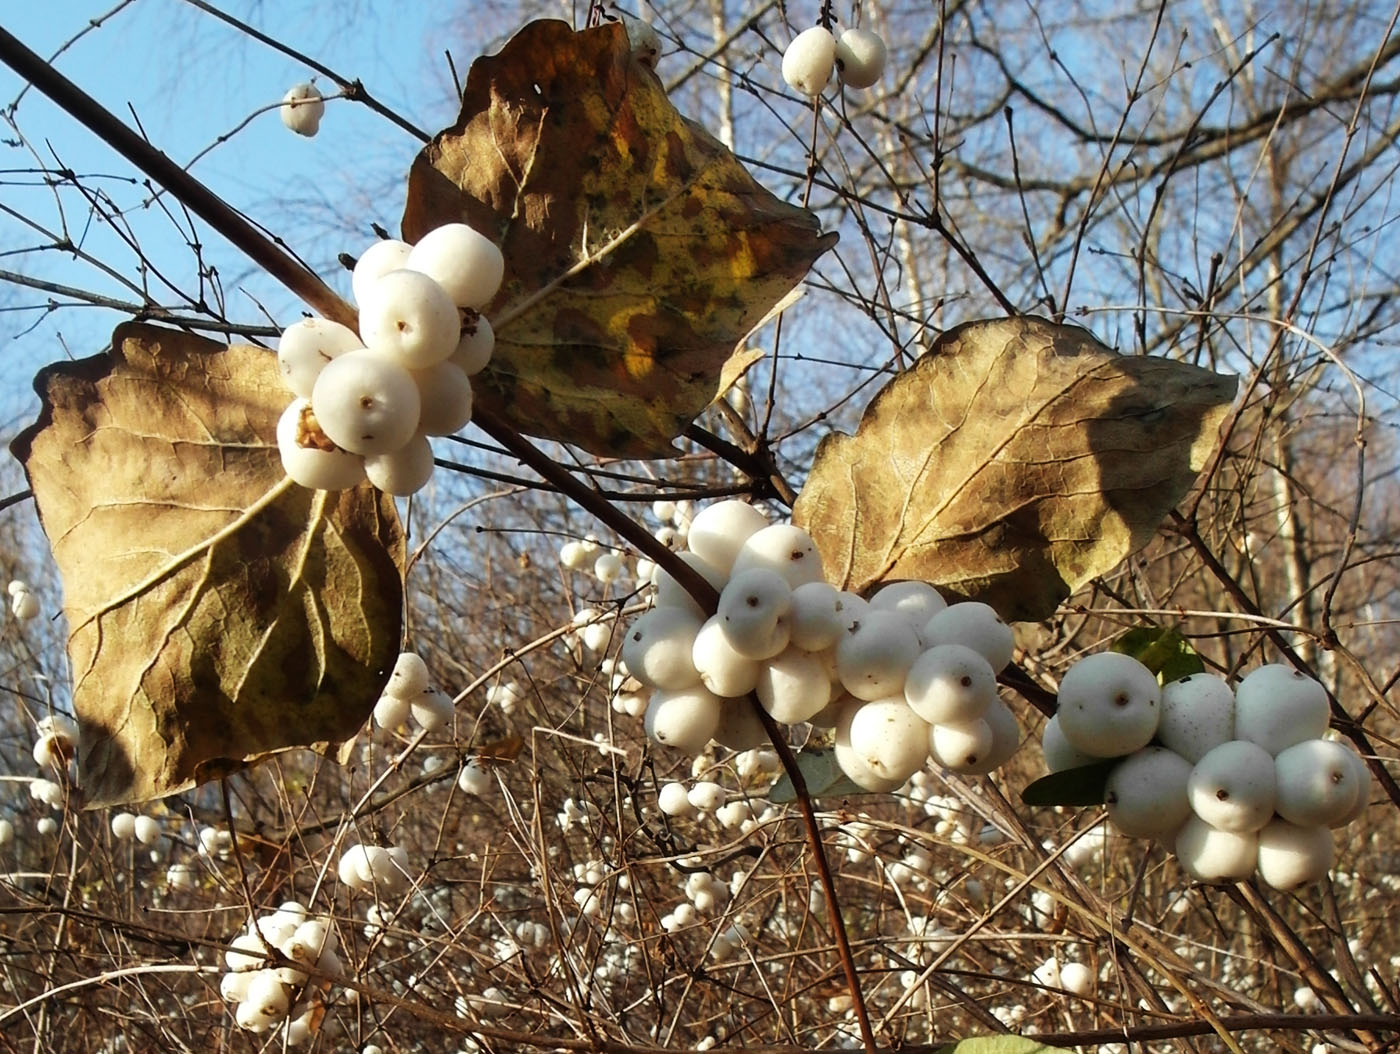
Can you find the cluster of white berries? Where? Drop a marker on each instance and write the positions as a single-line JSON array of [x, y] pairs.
[[23, 603], [302, 109], [382, 870], [1071, 976], [267, 994], [1235, 781], [857, 57], [145, 829], [411, 694], [901, 678], [366, 403]]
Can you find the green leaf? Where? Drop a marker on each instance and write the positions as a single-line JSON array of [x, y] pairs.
[[1079, 786], [822, 775], [1163, 650], [995, 1045]]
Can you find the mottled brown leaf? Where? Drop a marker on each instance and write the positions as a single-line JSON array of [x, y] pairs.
[[639, 251], [216, 611], [1014, 462]]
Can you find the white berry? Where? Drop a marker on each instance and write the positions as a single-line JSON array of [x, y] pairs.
[[809, 60], [467, 264], [366, 404], [1108, 704], [860, 57], [302, 109]]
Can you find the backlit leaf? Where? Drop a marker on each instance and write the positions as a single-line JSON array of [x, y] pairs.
[[639, 251], [216, 611], [1163, 650], [821, 774], [1014, 462], [1081, 786]]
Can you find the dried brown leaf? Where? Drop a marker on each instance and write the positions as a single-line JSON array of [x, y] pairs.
[[639, 251], [216, 611], [1014, 462]]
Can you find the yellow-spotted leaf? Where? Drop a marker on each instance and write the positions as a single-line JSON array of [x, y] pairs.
[[1016, 461], [216, 611], [639, 251]]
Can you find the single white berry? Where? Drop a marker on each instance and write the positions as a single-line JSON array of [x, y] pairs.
[[976, 626], [674, 800], [860, 57], [809, 60], [1006, 740], [124, 826], [1198, 714], [819, 616], [1059, 754], [722, 669], [391, 711], [1077, 978], [476, 345], [753, 610], [366, 404], [408, 318], [657, 649], [403, 471], [644, 41], [1233, 787], [24, 606], [146, 829], [1317, 783], [1291, 856], [793, 685], [720, 529], [608, 568], [1209, 854], [431, 708], [950, 684], [960, 746], [875, 655], [885, 736], [685, 719], [52, 751], [1277, 706], [1146, 793], [783, 548], [916, 601], [445, 396], [379, 259], [467, 264], [302, 109], [475, 778], [707, 796], [1108, 704], [316, 467], [307, 346], [409, 676]]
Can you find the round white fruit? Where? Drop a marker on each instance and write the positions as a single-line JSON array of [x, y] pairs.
[[722, 669], [809, 60], [1277, 706], [409, 318], [1233, 787], [657, 649], [366, 404], [445, 393], [784, 549], [720, 529], [753, 609], [1317, 783], [1146, 793], [378, 260], [302, 109], [685, 719], [1077, 978], [403, 471], [875, 655], [962, 746], [885, 737], [1108, 704], [819, 616], [431, 709], [1198, 714], [950, 684], [467, 264], [307, 346], [793, 685], [1209, 854], [476, 345], [1059, 754], [974, 625], [1006, 740], [409, 676], [314, 467], [1291, 856], [673, 800], [916, 601], [860, 57]]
